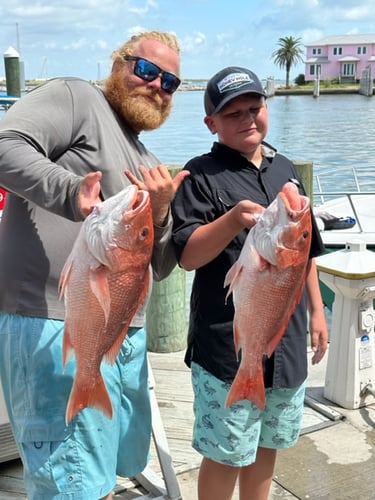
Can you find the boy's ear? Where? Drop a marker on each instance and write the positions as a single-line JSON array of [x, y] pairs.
[[210, 123]]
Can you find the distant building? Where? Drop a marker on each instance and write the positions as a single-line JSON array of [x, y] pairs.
[[340, 56]]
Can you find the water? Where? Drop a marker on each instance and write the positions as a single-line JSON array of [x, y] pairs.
[[335, 132]]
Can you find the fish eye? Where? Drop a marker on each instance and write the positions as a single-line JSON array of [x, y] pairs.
[[305, 234], [144, 233]]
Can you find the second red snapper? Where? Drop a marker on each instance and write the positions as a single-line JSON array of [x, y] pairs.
[[104, 281], [267, 282]]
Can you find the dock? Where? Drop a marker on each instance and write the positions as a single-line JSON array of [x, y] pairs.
[[7, 100], [334, 458]]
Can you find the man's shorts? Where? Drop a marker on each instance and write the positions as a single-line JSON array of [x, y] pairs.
[[79, 461], [232, 435]]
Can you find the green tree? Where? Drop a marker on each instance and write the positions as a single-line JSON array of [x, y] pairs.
[[288, 54]]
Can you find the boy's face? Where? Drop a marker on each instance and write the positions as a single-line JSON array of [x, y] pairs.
[[242, 124]]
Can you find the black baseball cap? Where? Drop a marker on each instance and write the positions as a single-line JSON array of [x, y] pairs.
[[229, 83]]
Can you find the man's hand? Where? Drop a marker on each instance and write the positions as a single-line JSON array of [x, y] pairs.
[[89, 193], [161, 187]]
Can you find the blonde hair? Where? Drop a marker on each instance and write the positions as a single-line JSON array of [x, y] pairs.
[[128, 47]]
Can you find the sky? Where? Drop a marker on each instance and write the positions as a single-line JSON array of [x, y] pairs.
[[76, 37]]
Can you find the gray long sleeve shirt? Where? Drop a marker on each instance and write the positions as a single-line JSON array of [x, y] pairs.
[[49, 140]]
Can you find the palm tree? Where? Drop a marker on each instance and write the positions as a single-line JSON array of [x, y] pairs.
[[289, 54]]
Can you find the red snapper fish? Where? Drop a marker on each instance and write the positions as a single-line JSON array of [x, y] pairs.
[[104, 280], [267, 283]]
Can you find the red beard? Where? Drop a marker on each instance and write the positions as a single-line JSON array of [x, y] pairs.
[[140, 107]]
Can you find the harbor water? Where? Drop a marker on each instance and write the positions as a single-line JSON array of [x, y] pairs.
[[335, 132]]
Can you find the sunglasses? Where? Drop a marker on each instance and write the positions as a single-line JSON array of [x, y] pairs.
[[148, 71]]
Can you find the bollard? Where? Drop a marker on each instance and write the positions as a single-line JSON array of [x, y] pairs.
[[12, 72], [305, 171], [166, 310], [350, 375]]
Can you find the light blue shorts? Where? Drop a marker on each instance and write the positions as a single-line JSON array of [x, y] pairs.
[[79, 461], [232, 435]]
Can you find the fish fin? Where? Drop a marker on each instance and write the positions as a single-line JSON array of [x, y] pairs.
[[236, 338], [263, 264], [100, 288], [68, 348], [232, 277], [81, 397], [274, 342], [64, 276], [245, 388], [111, 354]]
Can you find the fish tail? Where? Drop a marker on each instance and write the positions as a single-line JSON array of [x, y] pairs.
[[95, 396], [244, 387]]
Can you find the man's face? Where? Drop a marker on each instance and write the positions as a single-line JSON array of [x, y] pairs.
[[143, 105], [241, 124]]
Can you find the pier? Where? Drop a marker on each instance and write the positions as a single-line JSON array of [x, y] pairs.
[[334, 458]]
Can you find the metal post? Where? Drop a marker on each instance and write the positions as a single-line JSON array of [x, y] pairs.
[[12, 72]]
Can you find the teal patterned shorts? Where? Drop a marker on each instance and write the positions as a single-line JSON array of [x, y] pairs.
[[232, 435]]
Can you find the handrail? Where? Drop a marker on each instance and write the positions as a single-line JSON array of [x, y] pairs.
[[349, 195]]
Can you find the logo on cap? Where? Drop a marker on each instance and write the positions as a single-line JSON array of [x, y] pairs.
[[234, 81]]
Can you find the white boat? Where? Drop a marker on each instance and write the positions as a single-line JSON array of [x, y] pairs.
[[343, 215]]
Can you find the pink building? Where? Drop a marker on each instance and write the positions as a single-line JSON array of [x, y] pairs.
[[341, 57]]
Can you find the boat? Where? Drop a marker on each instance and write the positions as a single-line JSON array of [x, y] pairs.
[[346, 214]]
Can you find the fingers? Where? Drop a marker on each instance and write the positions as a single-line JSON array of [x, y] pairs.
[[157, 178], [91, 179], [89, 192], [134, 180], [179, 177], [319, 346]]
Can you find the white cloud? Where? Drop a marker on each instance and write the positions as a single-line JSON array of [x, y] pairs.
[[191, 42], [210, 36], [145, 9]]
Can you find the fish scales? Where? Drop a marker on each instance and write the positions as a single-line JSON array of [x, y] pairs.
[[267, 282]]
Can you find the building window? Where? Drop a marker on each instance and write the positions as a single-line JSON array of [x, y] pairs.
[[315, 69], [337, 51], [361, 50], [316, 51], [348, 69]]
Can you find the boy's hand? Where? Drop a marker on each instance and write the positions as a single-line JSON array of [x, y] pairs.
[[247, 213]]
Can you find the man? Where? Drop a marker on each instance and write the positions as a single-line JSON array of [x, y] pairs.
[[63, 148]]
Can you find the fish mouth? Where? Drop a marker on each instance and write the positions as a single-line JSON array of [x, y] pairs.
[[139, 200]]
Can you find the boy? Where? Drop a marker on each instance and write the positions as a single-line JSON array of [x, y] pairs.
[[213, 210]]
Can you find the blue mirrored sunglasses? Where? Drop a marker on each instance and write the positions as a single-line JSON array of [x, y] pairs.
[[148, 71]]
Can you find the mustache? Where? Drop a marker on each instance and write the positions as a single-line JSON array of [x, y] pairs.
[[153, 95]]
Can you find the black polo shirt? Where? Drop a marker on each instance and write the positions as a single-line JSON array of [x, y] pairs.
[[217, 182]]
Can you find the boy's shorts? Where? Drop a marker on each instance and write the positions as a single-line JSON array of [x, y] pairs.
[[79, 461], [232, 435]]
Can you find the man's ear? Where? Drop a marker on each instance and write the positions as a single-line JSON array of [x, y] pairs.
[[117, 65], [210, 123]]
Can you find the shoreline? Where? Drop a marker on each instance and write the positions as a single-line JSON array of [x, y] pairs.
[[310, 91]]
